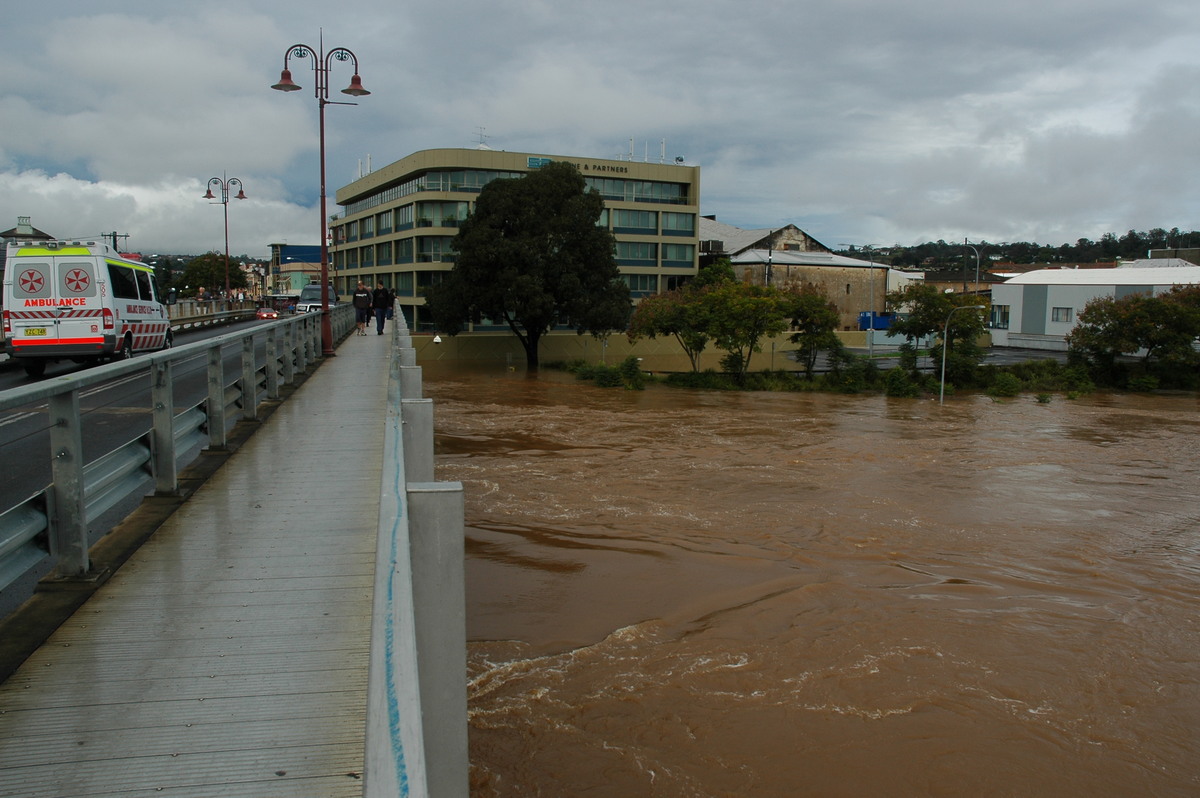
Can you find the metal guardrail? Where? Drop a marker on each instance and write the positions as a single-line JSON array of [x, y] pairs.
[[54, 522]]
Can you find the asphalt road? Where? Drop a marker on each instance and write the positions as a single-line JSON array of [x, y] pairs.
[[112, 414]]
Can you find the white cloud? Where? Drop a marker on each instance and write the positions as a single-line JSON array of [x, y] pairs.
[[863, 121]]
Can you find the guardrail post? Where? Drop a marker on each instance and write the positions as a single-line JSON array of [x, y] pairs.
[[249, 381], [68, 526], [217, 438], [411, 385], [436, 535], [416, 418], [302, 343], [273, 364], [162, 398], [288, 354]]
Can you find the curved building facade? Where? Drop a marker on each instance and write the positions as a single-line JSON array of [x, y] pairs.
[[398, 223]]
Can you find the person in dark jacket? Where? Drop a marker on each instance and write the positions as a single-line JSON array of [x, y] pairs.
[[362, 307], [381, 300]]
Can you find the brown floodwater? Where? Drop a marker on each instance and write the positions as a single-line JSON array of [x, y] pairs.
[[689, 593]]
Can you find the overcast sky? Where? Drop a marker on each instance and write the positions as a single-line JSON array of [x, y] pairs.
[[864, 122]]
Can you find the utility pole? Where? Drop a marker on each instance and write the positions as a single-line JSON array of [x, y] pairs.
[[114, 236]]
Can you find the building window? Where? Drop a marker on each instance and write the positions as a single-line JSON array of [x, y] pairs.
[[635, 222], [678, 224], [636, 253], [683, 255], [404, 250], [404, 283], [1061, 314], [385, 222], [999, 318], [429, 279], [368, 227], [352, 231], [641, 284], [431, 249], [367, 260], [404, 217], [383, 254], [441, 214]]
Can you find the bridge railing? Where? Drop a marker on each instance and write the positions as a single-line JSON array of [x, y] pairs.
[[52, 525], [416, 741]]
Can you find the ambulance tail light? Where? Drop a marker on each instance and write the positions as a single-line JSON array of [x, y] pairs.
[[7, 325], [110, 322]]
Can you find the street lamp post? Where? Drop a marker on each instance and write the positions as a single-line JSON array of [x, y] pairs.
[[321, 61], [968, 246], [946, 345], [225, 184]]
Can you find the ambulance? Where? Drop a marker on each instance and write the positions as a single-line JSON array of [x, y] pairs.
[[78, 300]]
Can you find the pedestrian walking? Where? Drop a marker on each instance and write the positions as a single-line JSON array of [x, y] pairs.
[[362, 307], [381, 301]]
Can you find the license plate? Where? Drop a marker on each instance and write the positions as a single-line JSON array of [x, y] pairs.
[[35, 331]]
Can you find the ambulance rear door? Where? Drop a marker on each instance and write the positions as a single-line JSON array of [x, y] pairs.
[[56, 304]]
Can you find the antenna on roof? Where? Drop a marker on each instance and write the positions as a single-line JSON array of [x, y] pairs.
[[483, 137]]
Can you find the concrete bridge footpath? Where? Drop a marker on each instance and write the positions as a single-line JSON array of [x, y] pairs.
[[230, 654]]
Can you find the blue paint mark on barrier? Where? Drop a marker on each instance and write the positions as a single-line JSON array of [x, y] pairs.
[[393, 706]]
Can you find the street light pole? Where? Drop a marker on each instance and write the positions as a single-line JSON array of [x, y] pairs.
[[225, 184], [946, 345], [321, 62], [968, 246]]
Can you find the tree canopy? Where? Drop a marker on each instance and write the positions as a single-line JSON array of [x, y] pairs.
[[814, 319], [208, 271], [532, 256], [684, 313], [1161, 329]]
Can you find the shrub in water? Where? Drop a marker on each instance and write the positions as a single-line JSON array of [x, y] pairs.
[[1005, 385]]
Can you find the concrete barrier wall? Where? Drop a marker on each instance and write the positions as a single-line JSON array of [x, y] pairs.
[[663, 354], [416, 740]]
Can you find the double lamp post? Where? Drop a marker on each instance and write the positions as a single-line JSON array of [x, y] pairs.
[[321, 62], [225, 184]]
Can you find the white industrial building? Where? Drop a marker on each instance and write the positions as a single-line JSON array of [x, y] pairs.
[[1037, 309]]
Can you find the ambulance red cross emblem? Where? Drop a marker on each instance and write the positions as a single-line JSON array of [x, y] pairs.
[[32, 281], [77, 280]]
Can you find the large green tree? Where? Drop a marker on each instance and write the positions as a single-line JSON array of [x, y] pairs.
[[208, 271], [814, 319], [1160, 328], [684, 313], [531, 254], [922, 310], [741, 315]]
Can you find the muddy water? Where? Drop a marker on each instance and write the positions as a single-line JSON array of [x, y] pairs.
[[677, 593]]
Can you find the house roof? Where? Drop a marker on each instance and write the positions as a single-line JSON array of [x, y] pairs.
[[735, 238], [29, 234], [788, 257], [1167, 275], [1155, 263]]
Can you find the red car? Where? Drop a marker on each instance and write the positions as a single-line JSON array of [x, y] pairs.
[[267, 313]]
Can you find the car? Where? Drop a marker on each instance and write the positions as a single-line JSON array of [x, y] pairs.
[[267, 313], [310, 298]]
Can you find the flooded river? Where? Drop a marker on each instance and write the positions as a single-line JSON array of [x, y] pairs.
[[687, 593]]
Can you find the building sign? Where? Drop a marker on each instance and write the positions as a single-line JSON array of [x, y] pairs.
[[586, 168]]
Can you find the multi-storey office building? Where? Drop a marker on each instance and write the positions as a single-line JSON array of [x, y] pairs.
[[398, 222]]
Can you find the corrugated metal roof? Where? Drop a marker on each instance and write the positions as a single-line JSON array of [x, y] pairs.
[[789, 257], [1177, 275], [1155, 263], [734, 238]]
